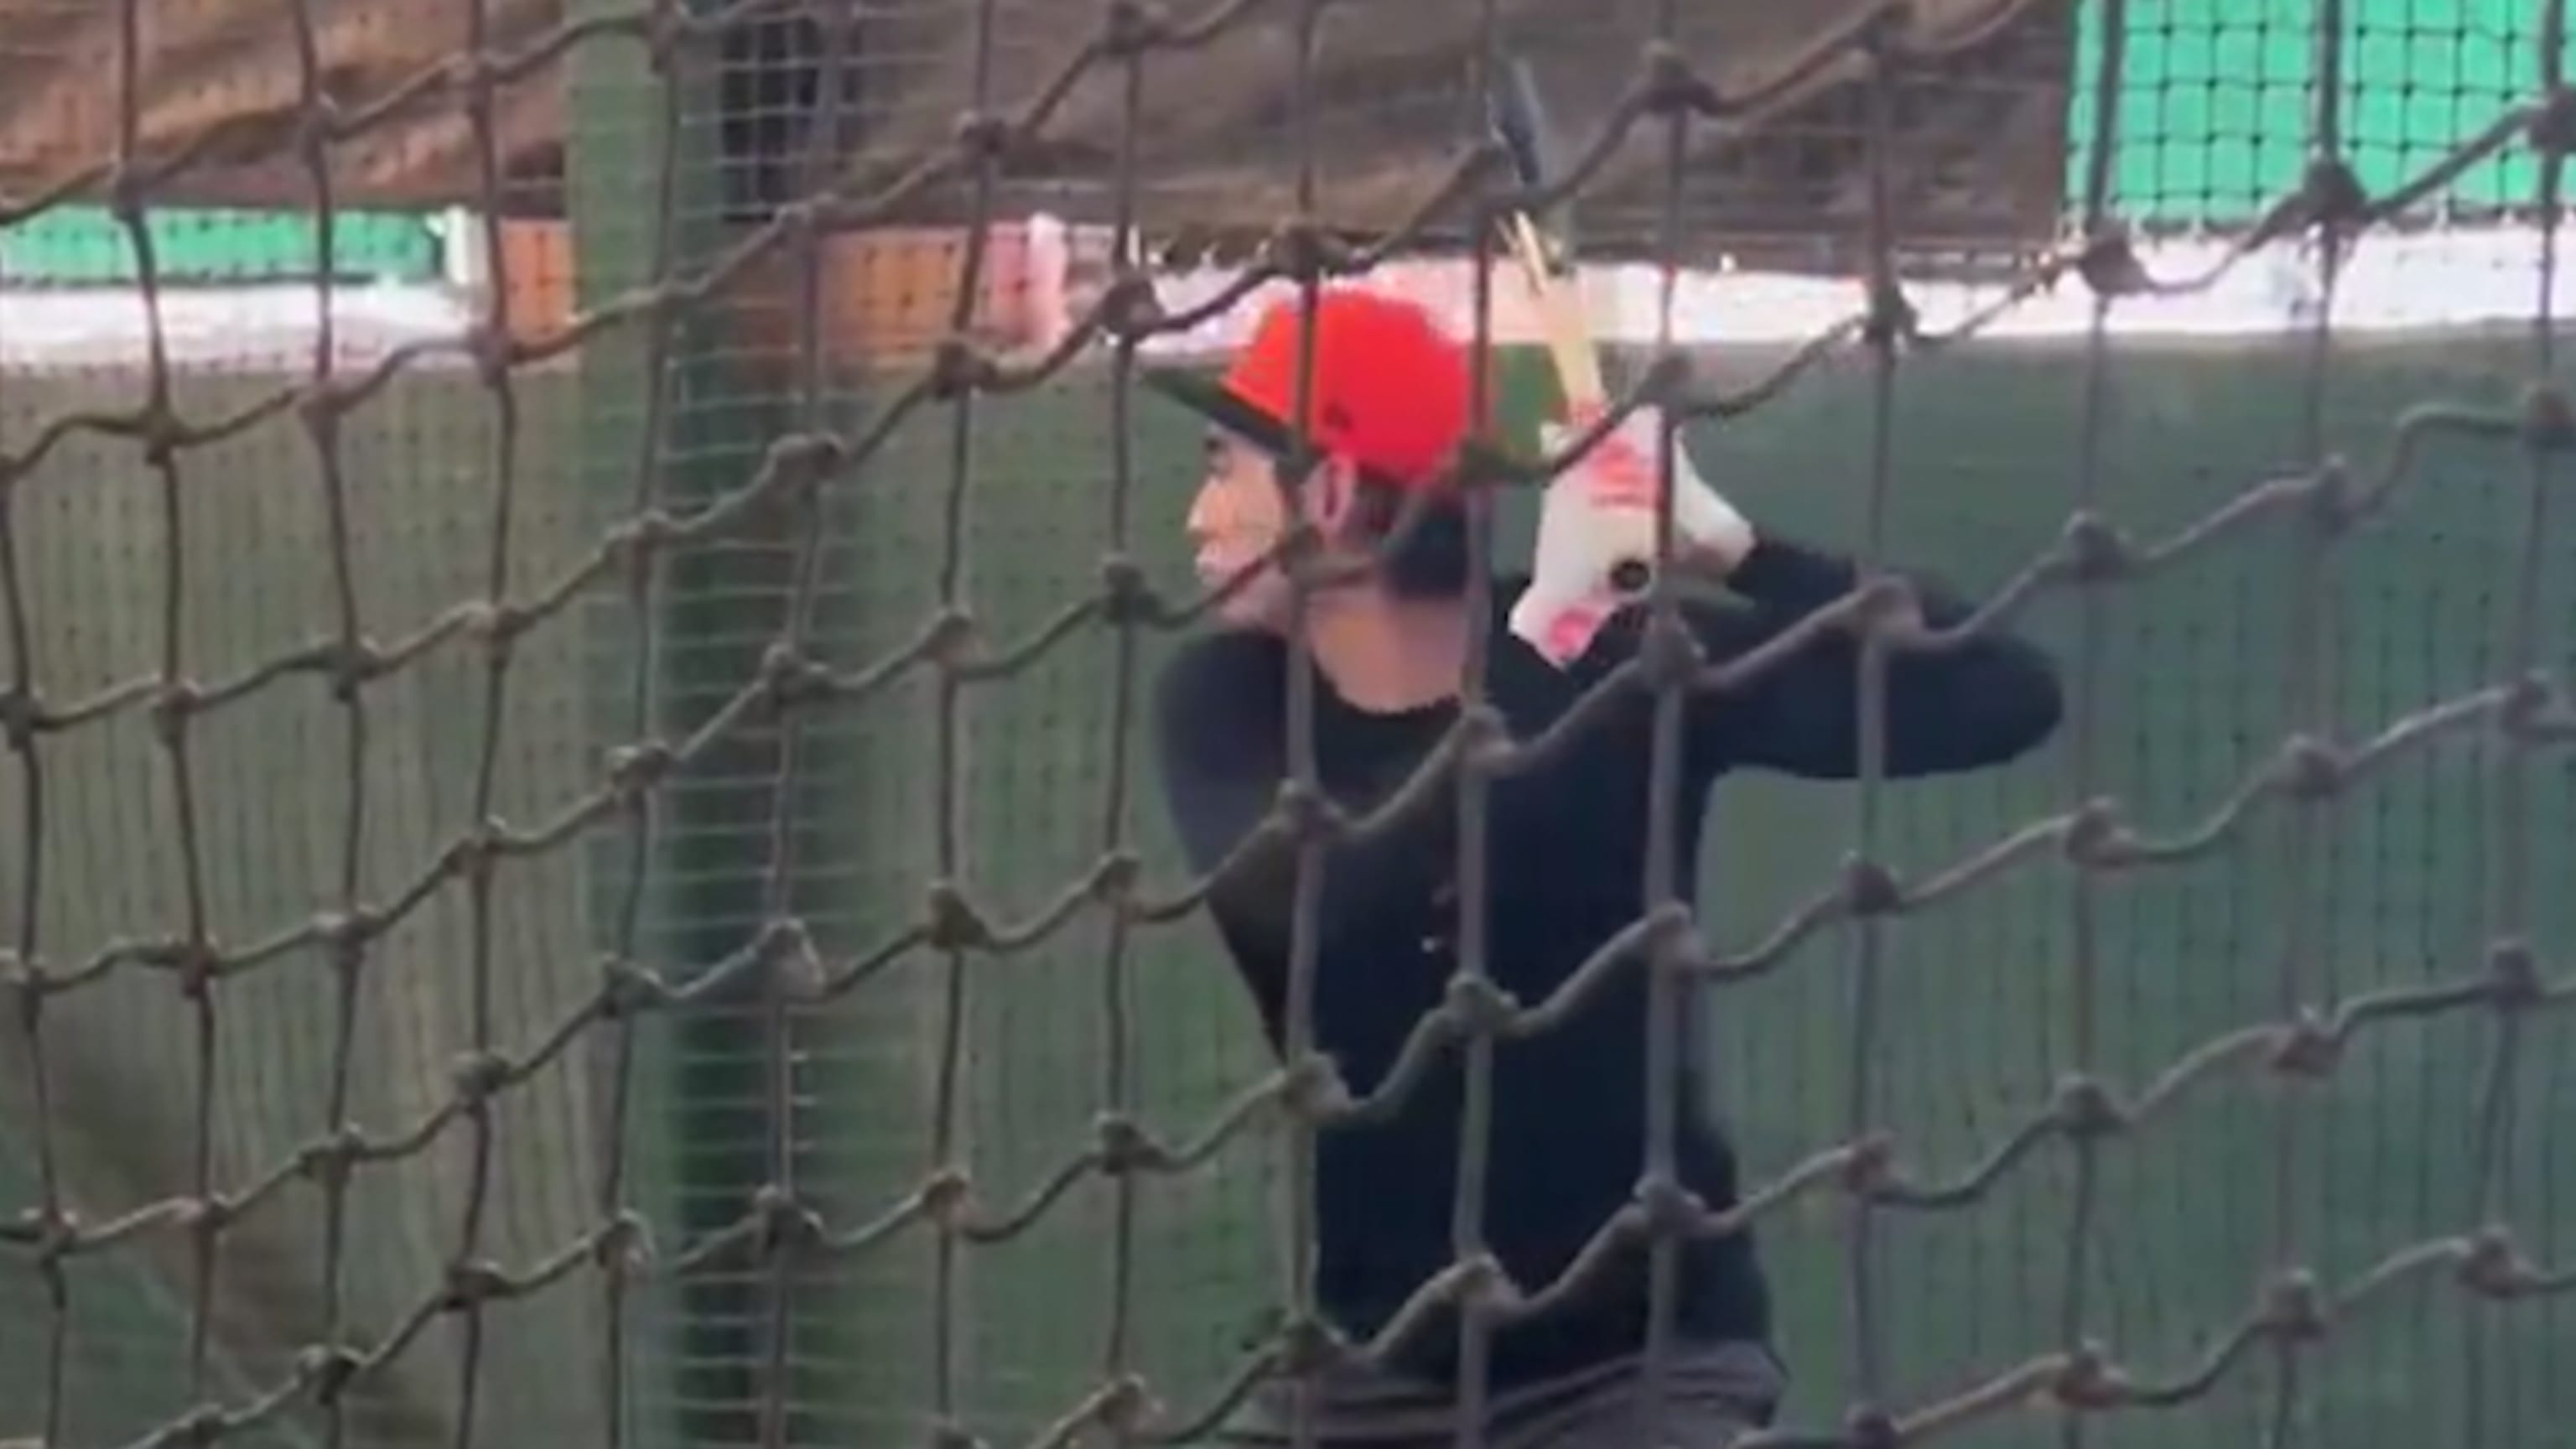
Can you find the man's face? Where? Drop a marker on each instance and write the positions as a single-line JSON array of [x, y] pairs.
[[1235, 521]]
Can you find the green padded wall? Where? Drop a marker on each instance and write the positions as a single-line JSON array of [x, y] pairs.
[[1979, 988], [2214, 106]]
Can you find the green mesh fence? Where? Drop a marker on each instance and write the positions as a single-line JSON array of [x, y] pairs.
[[87, 246], [2215, 96]]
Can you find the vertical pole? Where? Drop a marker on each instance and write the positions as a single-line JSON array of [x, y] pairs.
[[661, 425]]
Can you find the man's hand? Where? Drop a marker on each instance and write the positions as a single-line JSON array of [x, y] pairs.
[[1600, 515]]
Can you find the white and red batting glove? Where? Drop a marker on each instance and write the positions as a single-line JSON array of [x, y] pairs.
[[1599, 514]]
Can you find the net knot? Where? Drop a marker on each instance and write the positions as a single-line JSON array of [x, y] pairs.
[[197, 963], [2493, 1266], [1127, 597], [343, 936], [126, 190], [948, 1198], [1672, 940], [329, 1160], [2095, 550], [2513, 975], [2087, 1109], [2533, 709], [204, 1218], [784, 949], [1477, 1006], [951, 638], [632, 546], [2311, 769], [1666, 1210], [1890, 318], [1668, 655], [1301, 250], [783, 1225], [1131, 28], [636, 770], [1124, 1407], [628, 988], [493, 351], [21, 976], [953, 922], [667, 31], [22, 714], [1667, 380], [959, 367], [1126, 1148], [494, 624], [1887, 607], [1871, 889], [2093, 833], [2308, 1047], [204, 1424], [1868, 1165], [1113, 880], [160, 432], [2108, 264], [1305, 813], [1478, 1283], [1129, 308], [317, 125], [1484, 738], [326, 1369], [2293, 1306], [478, 1076], [2328, 495], [2548, 421], [983, 137], [789, 679], [1868, 1427], [471, 855], [349, 665], [2086, 1380], [2552, 130], [1312, 1089], [172, 706], [54, 1233], [2330, 199], [801, 462], [1667, 85], [625, 1245], [472, 1284], [1307, 1346]]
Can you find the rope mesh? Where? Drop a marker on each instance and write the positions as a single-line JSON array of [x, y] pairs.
[[790, 1235]]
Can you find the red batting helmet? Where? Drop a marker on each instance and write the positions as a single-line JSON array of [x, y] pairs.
[[1389, 390]]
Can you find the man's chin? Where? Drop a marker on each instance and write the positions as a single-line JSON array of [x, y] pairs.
[[1260, 604]]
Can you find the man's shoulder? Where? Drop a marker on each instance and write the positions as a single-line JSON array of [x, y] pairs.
[[1221, 657], [1217, 680]]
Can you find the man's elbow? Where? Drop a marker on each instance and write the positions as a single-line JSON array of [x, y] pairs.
[[2021, 701]]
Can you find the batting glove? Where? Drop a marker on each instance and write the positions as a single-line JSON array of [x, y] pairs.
[[1597, 519]]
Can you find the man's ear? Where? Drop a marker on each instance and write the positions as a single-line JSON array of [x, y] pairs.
[[1331, 492]]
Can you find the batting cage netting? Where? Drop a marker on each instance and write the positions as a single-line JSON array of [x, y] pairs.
[[580, 589]]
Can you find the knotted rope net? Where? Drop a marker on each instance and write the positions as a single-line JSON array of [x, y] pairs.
[[527, 921]]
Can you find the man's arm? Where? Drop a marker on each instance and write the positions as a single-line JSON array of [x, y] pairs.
[[1981, 703], [1220, 727]]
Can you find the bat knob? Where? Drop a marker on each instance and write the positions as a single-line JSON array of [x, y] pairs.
[[1632, 575]]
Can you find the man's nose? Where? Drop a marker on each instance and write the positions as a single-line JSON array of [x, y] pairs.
[[1206, 513]]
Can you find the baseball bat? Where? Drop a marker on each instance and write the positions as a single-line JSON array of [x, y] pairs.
[[1546, 259], [1546, 256]]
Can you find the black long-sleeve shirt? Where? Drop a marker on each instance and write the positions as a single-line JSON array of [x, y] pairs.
[[1566, 870]]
